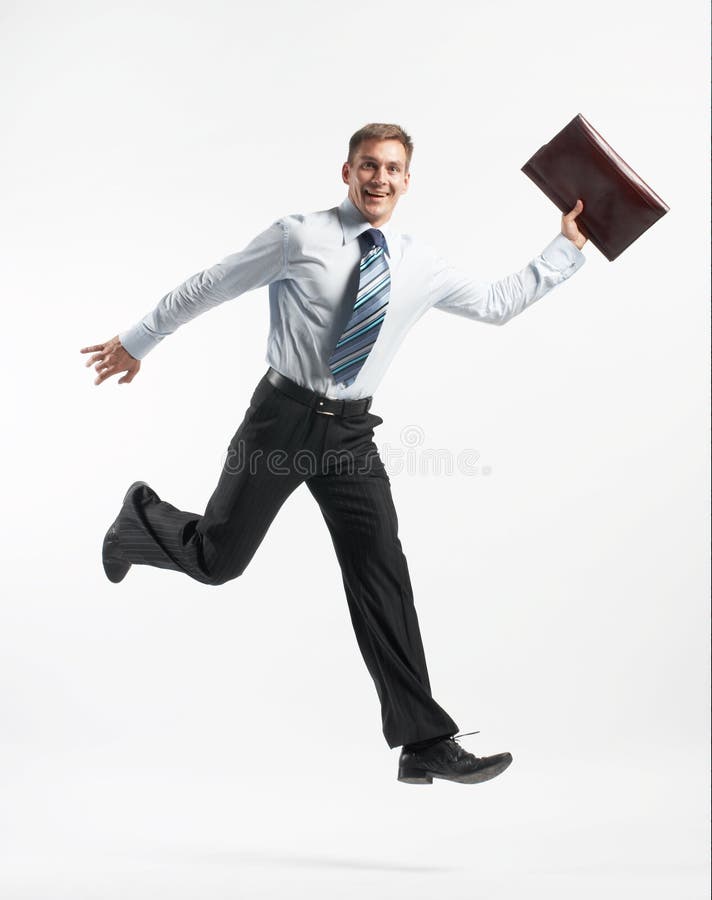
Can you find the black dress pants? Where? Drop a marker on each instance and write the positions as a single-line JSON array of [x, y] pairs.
[[280, 444]]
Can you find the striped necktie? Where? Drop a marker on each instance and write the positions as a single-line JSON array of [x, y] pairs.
[[369, 311]]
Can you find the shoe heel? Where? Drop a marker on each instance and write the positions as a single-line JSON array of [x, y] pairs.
[[413, 776]]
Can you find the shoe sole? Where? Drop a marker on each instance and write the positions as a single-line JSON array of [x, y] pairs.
[[418, 776], [415, 779], [116, 569]]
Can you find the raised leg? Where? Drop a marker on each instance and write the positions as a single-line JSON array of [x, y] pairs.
[[256, 479]]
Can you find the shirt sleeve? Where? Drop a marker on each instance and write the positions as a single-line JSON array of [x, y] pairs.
[[263, 261], [498, 301]]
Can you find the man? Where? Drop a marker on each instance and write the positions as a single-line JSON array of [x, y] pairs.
[[344, 288]]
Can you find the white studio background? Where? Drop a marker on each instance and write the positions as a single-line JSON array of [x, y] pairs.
[[161, 738]]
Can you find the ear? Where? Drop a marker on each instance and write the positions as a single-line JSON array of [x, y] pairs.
[[406, 181], [345, 172]]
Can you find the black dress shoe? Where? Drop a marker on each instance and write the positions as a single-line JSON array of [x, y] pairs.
[[448, 760], [115, 563]]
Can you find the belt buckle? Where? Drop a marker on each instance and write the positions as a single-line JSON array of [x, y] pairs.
[[323, 412]]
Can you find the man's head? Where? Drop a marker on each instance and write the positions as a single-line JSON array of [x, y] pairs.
[[378, 170]]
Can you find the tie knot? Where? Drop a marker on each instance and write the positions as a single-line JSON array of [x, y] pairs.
[[374, 238]]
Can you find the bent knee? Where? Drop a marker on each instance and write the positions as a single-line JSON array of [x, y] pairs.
[[218, 577], [221, 560]]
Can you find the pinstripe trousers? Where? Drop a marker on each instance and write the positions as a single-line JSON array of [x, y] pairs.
[[280, 444]]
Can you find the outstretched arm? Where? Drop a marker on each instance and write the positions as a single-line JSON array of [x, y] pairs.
[[499, 301], [263, 260]]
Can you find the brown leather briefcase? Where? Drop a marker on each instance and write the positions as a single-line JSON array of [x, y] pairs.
[[618, 206]]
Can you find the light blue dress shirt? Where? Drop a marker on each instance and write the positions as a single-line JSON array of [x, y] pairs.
[[310, 262]]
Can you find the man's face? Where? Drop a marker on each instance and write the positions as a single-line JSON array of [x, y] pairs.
[[376, 178]]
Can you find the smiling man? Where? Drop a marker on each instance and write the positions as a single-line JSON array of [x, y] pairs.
[[337, 318], [377, 173]]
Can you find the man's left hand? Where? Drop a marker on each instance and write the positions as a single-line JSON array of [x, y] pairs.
[[569, 228]]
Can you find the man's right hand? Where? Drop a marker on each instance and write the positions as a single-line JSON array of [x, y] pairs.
[[110, 358]]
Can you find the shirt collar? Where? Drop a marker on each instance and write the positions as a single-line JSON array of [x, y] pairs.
[[353, 224]]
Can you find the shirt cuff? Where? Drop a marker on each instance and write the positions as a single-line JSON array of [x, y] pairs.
[[138, 340], [563, 255]]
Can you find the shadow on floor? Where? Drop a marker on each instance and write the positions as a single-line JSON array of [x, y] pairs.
[[267, 859]]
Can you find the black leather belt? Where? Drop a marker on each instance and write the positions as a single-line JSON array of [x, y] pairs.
[[324, 405]]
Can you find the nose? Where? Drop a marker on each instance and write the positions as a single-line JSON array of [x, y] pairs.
[[381, 175]]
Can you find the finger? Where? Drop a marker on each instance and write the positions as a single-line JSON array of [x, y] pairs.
[[98, 357], [104, 375], [92, 349]]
